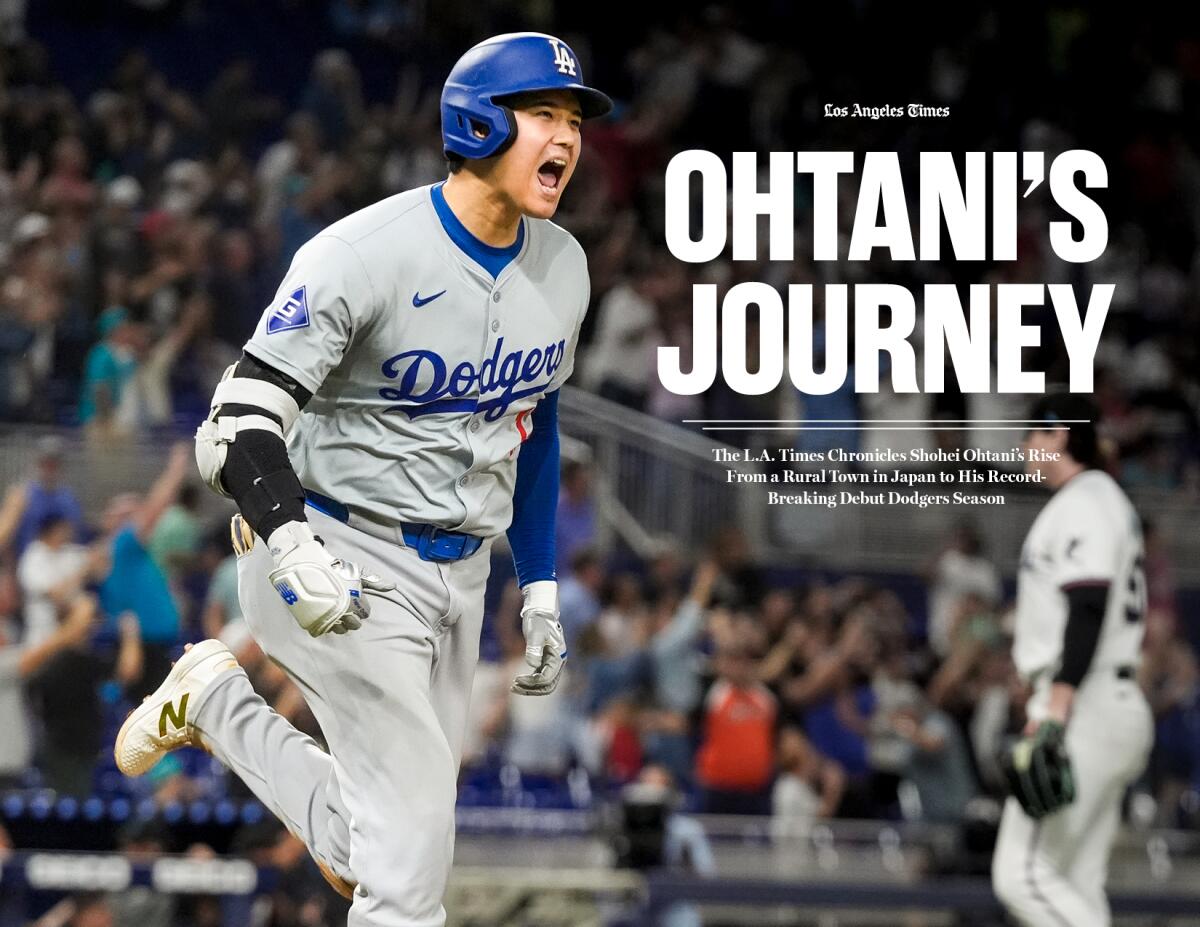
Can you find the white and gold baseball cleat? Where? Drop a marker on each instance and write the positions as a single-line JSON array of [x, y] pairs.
[[162, 722]]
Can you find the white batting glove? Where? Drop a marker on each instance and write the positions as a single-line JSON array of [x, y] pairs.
[[545, 643], [322, 592]]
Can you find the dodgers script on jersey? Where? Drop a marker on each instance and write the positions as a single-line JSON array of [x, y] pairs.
[[1087, 533], [424, 369]]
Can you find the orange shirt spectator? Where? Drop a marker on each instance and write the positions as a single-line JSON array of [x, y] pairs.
[[738, 750]]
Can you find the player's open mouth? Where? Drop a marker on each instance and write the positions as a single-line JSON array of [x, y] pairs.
[[550, 174]]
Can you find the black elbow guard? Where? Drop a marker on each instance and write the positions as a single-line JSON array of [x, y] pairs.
[[240, 448], [260, 478]]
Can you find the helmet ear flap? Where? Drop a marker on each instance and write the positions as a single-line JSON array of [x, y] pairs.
[[511, 135], [482, 130]]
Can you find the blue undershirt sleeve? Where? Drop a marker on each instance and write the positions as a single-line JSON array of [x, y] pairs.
[[535, 498]]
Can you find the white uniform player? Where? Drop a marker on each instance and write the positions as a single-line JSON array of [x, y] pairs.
[[1079, 620], [411, 359]]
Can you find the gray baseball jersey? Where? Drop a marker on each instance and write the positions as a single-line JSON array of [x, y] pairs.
[[1087, 533], [424, 370]]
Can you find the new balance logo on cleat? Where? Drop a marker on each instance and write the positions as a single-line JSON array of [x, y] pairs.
[[178, 718], [292, 314], [162, 722], [287, 593]]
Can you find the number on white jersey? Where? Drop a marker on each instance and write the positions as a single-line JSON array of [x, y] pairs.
[[1135, 605]]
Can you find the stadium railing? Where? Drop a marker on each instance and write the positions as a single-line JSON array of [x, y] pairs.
[[657, 482]]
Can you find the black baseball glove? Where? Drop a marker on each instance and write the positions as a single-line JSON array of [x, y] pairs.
[[1039, 772]]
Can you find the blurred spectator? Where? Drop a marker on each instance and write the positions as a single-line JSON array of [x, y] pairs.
[[148, 401], [283, 165], [809, 787], [135, 583], [931, 757], [48, 495], [575, 522], [834, 701], [978, 686], [311, 201], [52, 572], [960, 570], [621, 361], [741, 581], [20, 662], [622, 623], [109, 368], [735, 764], [675, 667], [67, 185], [579, 594], [334, 94], [66, 691], [237, 287], [31, 305], [676, 628], [175, 540], [684, 844], [115, 242]]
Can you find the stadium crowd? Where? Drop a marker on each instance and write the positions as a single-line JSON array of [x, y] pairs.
[[810, 695], [145, 220]]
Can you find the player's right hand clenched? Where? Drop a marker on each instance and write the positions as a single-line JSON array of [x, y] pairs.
[[324, 593]]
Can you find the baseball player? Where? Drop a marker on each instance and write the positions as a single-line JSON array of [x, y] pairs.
[[393, 412], [1081, 599]]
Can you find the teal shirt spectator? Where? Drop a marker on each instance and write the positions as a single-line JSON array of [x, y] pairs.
[[136, 584], [108, 366]]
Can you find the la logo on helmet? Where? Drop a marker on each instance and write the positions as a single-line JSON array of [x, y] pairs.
[[562, 57]]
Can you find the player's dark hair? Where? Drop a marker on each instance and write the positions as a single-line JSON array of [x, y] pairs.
[[1080, 416], [454, 162]]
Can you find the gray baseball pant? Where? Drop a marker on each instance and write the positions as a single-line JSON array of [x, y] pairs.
[[391, 699]]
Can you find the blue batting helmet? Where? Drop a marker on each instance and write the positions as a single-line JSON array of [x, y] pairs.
[[475, 121]]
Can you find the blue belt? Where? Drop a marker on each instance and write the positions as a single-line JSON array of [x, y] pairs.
[[438, 545]]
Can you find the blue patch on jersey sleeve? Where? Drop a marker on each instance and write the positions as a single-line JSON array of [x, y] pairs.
[[292, 314]]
